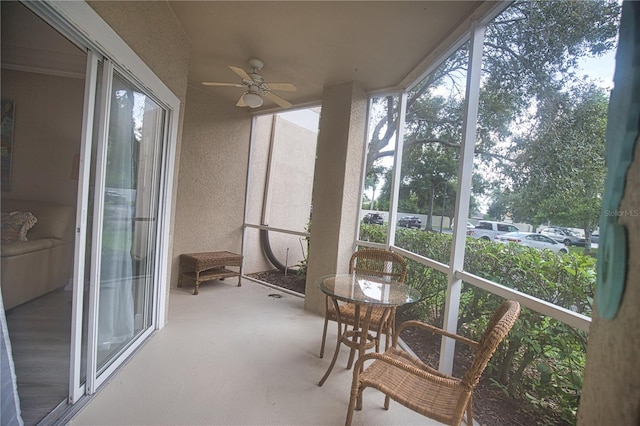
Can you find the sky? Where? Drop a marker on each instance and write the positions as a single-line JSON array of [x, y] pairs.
[[308, 118], [601, 68]]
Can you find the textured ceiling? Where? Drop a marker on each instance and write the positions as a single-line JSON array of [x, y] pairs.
[[308, 43], [312, 44]]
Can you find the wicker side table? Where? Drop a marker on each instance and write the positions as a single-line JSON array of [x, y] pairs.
[[209, 266]]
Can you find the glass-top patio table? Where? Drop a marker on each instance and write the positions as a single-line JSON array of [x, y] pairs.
[[363, 291]]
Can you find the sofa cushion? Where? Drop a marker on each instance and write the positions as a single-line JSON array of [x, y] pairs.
[[22, 247], [15, 226], [54, 220]]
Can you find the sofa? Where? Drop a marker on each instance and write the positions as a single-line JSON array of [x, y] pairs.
[[37, 249]]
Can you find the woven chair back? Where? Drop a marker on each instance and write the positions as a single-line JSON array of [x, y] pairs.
[[379, 263], [499, 325]]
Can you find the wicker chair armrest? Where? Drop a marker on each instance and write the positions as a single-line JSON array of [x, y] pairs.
[[440, 379], [436, 330]]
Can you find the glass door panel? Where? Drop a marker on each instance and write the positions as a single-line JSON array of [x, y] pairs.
[[129, 225]]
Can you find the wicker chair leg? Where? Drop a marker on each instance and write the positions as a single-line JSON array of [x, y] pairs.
[[391, 328], [352, 355], [379, 336], [470, 411], [352, 405], [382, 329], [324, 336]]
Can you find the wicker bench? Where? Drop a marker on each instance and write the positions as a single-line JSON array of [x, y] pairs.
[[209, 266]]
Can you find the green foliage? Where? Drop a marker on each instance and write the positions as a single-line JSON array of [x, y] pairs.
[[559, 168], [433, 245], [431, 283], [124, 139], [374, 233], [427, 174], [542, 360], [303, 264], [371, 181]]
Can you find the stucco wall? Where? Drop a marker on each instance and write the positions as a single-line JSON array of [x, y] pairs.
[[47, 131], [212, 179], [291, 181], [611, 391], [152, 31]]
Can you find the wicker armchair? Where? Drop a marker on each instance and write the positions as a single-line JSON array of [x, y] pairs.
[[409, 381], [374, 262]]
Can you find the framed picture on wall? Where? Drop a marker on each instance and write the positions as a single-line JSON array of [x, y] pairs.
[[6, 142]]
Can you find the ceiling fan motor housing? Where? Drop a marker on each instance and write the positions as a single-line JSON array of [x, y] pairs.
[[256, 90], [256, 64]]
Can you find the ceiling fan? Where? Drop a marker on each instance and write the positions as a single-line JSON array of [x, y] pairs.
[[256, 87]]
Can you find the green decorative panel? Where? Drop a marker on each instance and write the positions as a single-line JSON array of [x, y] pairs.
[[622, 133]]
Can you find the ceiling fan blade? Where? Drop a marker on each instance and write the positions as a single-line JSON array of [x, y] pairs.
[[285, 87], [242, 73], [277, 99], [211, 83], [241, 102]]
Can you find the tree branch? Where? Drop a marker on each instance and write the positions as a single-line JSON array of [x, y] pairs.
[[476, 150]]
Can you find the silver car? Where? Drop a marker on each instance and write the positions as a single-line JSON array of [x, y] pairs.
[[531, 239], [563, 235]]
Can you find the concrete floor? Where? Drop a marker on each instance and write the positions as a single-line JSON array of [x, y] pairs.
[[236, 356]]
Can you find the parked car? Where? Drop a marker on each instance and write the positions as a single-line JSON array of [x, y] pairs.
[[595, 237], [410, 222], [488, 229], [531, 239], [563, 235], [373, 218], [469, 225]]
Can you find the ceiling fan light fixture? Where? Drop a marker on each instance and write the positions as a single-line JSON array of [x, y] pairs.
[[252, 100], [256, 87]]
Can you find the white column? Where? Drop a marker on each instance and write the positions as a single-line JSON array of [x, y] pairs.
[[336, 186]]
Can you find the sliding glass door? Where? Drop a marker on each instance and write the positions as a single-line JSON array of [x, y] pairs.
[[123, 201], [127, 205], [120, 198]]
